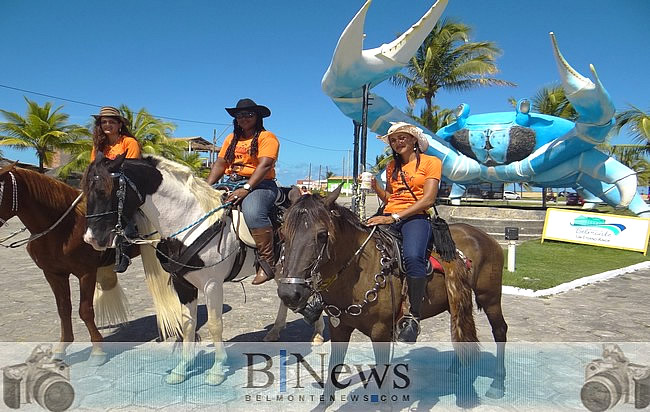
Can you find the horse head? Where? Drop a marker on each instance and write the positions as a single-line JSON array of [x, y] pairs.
[[308, 231], [8, 193], [115, 189]]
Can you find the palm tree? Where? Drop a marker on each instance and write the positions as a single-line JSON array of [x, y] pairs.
[[42, 129], [552, 100], [433, 119], [194, 161], [447, 60], [153, 134], [638, 123], [632, 156]]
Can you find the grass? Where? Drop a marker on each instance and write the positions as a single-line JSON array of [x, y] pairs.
[[548, 264]]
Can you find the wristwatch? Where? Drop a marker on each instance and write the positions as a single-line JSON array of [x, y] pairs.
[[395, 217], [247, 186]]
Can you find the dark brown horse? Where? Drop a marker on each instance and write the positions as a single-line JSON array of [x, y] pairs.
[[59, 250], [359, 291]]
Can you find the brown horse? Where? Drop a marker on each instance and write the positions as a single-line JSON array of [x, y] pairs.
[[59, 250], [359, 292]]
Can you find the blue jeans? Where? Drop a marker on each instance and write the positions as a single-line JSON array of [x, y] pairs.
[[416, 234], [257, 205]]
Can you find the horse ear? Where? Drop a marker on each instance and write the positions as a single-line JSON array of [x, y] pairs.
[[331, 198], [117, 163], [294, 194]]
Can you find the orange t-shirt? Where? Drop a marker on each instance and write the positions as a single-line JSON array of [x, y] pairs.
[[245, 164], [430, 168], [124, 144]]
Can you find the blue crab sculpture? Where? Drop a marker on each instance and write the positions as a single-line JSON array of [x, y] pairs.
[[506, 147]]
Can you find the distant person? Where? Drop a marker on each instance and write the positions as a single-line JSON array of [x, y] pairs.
[[250, 153], [304, 191], [412, 180], [112, 136]]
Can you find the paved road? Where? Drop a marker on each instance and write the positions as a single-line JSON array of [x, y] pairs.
[[614, 310]]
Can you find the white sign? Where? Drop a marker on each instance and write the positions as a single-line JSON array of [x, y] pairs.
[[615, 231]]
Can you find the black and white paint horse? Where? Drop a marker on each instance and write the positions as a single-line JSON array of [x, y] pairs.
[[178, 207]]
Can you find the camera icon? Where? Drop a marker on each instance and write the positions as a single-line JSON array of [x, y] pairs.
[[41, 379], [613, 379]]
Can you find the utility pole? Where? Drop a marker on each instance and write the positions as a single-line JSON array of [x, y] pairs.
[[319, 170], [214, 144], [309, 177]]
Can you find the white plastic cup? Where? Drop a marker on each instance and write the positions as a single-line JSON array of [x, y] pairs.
[[366, 180]]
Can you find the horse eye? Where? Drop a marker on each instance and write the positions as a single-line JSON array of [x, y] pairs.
[[322, 236]]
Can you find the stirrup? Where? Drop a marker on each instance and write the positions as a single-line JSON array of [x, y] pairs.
[[409, 329]]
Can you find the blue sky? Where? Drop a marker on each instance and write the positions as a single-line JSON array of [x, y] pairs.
[[189, 60]]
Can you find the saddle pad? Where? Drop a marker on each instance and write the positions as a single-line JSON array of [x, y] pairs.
[[241, 228], [436, 265]]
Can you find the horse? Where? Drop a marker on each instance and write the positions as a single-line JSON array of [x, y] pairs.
[[331, 254], [184, 211], [53, 212]]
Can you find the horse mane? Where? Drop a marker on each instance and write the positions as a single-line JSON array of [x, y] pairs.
[[207, 197], [51, 193], [310, 209]]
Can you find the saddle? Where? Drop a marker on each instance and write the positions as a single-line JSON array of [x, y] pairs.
[[393, 238], [280, 205]]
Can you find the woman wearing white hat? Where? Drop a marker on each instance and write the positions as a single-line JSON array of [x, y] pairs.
[[412, 180]]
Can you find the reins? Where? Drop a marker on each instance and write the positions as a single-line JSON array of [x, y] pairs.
[[14, 208]]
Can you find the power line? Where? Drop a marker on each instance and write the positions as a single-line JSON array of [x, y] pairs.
[[98, 105], [162, 117]]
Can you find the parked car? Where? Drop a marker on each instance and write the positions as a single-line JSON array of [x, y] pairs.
[[510, 195], [574, 199]]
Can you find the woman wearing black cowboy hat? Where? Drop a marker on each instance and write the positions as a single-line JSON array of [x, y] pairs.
[[251, 151]]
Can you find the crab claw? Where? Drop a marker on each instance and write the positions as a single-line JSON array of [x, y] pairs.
[[591, 101], [352, 67]]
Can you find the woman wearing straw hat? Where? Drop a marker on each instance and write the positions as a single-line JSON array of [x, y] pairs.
[[112, 136], [250, 153], [412, 180]]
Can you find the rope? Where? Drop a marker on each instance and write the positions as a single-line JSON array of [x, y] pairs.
[[207, 215], [21, 242]]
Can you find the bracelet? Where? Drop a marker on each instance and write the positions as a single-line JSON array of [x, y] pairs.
[[395, 217]]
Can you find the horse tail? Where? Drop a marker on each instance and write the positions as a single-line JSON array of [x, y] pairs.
[[459, 295], [169, 313], [110, 302]]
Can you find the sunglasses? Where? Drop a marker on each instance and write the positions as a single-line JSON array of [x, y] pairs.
[[400, 139], [244, 115]]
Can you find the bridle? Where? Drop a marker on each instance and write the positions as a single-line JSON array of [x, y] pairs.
[[14, 197], [316, 285], [123, 180], [14, 209]]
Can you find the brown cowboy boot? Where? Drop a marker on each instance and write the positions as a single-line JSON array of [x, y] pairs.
[[264, 241]]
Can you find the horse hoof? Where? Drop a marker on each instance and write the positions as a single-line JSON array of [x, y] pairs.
[[97, 359], [495, 393], [174, 378], [271, 337], [317, 340], [214, 379]]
